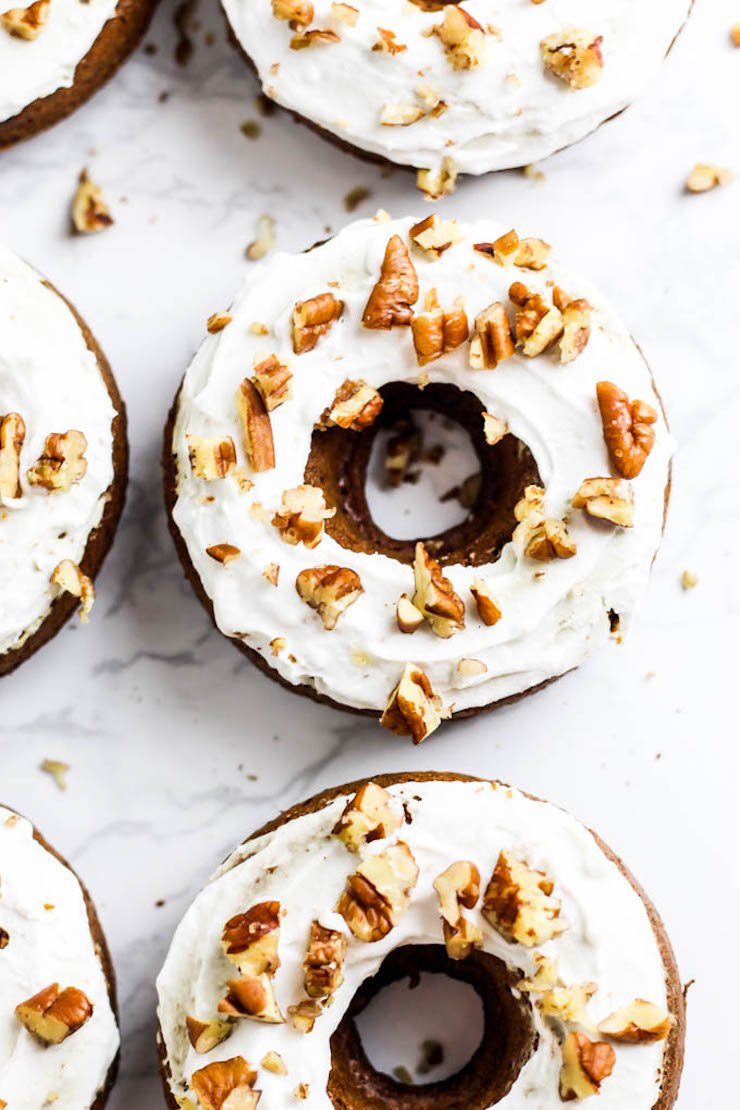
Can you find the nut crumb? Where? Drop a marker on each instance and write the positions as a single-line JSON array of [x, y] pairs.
[[689, 580], [58, 771], [90, 213], [265, 240], [704, 177], [354, 198]]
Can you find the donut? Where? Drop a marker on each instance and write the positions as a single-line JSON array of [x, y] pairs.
[[63, 461], [54, 54], [452, 89], [58, 1029], [378, 881], [267, 448]]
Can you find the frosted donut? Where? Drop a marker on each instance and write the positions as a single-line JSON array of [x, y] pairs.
[[367, 884], [450, 88], [268, 443]]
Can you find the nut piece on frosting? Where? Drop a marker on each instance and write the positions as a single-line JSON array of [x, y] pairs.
[[52, 1015], [12, 437], [568, 1004], [206, 1035], [26, 23], [494, 429], [369, 816], [256, 426], [408, 617], [330, 590], [458, 887], [356, 405], [226, 1085], [301, 516], [302, 1016], [639, 1023], [438, 182], [413, 708], [492, 340], [487, 607], [537, 324], [611, 499], [395, 291], [252, 996], [272, 378], [324, 960], [223, 553], [434, 236], [628, 428], [62, 464], [574, 55], [298, 13], [544, 538], [312, 320], [518, 903], [211, 459], [510, 250], [463, 38], [586, 1064], [576, 324], [434, 596], [72, 580], [90, 213], [437, 330], [377, 894], [251, 939]]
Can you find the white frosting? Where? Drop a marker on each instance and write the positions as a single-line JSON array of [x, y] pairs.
[[610, 940], [50, 377], [508, 112], [30, 69], [44, 913], [551, 622]]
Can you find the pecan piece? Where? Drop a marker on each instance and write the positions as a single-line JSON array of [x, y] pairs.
[[408, 617], [303, 39], [211, 459], [609, 499], [272, 378], [434, 596], [639, 1023], [413, 708], [378, 892], [226, 1085], [567, 1004], [26, 23], [494, 429], [250, 939], [330, 590], [252, 996], [576, 324], [544, 538], [518, 903], [586, 1064], [459, 887], [574, 55], [298, 13], [492, 341], [463, 38], [395, 291], [367, 817], [313, 319], [223, 553], [52, 1015], [537, 324], [628, 428], [488, 610], [301, 516], [510, 250], [437, 331], [704, 177], [438, 182], [302, 1016], [12, 437], [356, 405], [62, 464], [68, 577], [324, 960], [434, 236], [256, 427], [90, 213], [206, 1035]]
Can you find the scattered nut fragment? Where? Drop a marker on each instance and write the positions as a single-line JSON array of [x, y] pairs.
[[576, 324], [463, 38], [537, 324], [273, 1062], [518, 903], [211, 459], [434, 236], [377, 894], [586, 1064], [312, 320], [492, 341], [568, 1004], [217, 322], [223, 553], [545, 976], [256, 426], [628, 428], [395, 291], [58, 771], [413, 708], [689, 580], [69, 578], [12, 437], [639, 1023], [543, 538], [354, 198], [436, 331], [434, 596], [226, 1085], [330, 590], [471, 668], [302, 1091], [26, 23], [251, 939], [302, 1016], [574, 55], [704, 177], [532, 172], [387, 43], [611, 499], [488, 610], [301, 516], [494, 429], [62, 464], [272, 378], [317, 37], [356, 405], [90, 213], [367, 817], [459, 887], [52, 1015], [264, 241], [510, 250], [403, 449], [298, 13], [205, 1035], [324, 960], [345, 13], [408, 616], [252, 996], [439, 182]]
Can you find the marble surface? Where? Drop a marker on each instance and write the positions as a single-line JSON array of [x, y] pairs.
[[177, 747]]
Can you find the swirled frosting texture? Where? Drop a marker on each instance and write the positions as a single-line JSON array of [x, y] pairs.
[[507, 112], [52, 379], [610, 940], [43, 911], [554, 614]]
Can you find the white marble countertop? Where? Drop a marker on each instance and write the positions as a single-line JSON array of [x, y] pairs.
[[178, 747]]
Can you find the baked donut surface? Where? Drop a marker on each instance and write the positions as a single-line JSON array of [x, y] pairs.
[[508, 606], [63, 461], [484, 86], [348, 888], [50, 935]]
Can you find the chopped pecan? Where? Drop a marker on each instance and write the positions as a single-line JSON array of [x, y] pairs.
[[272, 378], [90, 213], [302, 1016], [586, 1064], [543, 537], [298, 13], [471, 668], [459, 887], [256, 427], [367, 817], [518, 903], [226, 1085], [217, 322], [463, 38], [568, 1004], [62, 464], [12, 437], [317, 37], [403, 449], [377, 893], [488, 610], [211, 459], [26, 23], [264, 241], [252, 996], [537, 324], [330, 590], [408, 617], [205, 1035], [628, 428], [438, 182], [510, 250], [356, 405], [704, 177], [434, 236], [494, 429], [67, 576], [345, 13], [324, 960], [639, 1023], [301, 516], [273, 1061], [387, 43], [611, 499], [397, 289], [434, 596], [413, 708], [576, 324], [251, 939], [312, 320], [574, 55], [400, 115], [437, 331], [52, 1015], [492, 341], [223, 553]]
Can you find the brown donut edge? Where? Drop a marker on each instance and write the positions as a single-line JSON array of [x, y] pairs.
[[101, 538]]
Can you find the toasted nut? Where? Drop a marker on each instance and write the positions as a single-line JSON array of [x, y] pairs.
[[26, 23], [90, 213], [251, 939], [568, 1004], [471, 668], [434, 236], [545, 976], [69, 578], [256, 427], [252, 996], [387, 44], [223, 553], [689, 580], [400, 115], [345, 13], [205, 1035], [518, 903], [402, 450], [437, 331], [367, 817], [510, 250], [317, 37], [313, 319], [330, 590], [273, 1062], [62, 464], [439, 182], [550, 540], [611, 499], [12, 437], [586, 1064], [463, 38], [217, 322], [413, 708], [434, 596], [704, 177], [408, 616], [272, 573], [458, 887], [377, 894], [628, 428], [494, 429], [52, 1015], [211, 459], [639, 1023], [58, 771], [272, 379], [396, 290], [488, 610], [537, 324], [492, 342], [302, 1016], [322, 966], [301, 516], [226, 1085], [356, 405], [576, 326], [264, 241], [302, 1091], [574, 55], [299, 13]]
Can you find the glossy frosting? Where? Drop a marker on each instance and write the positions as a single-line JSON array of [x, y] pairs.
[[610, 940], [44, 913], [508, 112]]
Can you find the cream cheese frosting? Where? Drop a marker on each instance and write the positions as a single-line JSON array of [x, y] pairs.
[[554, 614], [609, 940], [507, 112], [43, 913], [50, 377], [30, 69]]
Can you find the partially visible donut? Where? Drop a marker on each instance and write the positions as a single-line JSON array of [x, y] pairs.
[[341, 895], [267, 449]]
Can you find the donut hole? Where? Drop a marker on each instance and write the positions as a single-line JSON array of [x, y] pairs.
[[483, 522], [503, 1023]]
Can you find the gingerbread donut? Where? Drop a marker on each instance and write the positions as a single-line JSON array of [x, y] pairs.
[[267, 450], [371, 883], [450, 88]]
